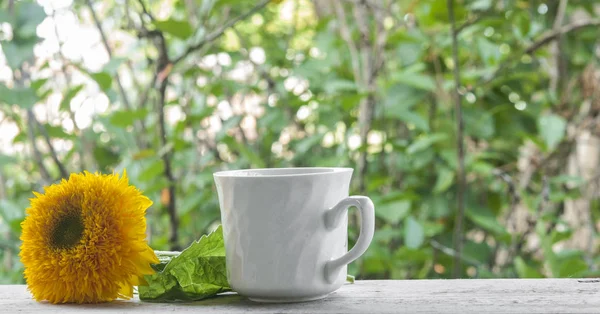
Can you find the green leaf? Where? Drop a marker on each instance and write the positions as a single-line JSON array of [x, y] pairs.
[[524, 270], [304, 145], [177, 28], [401, 98], [490, 54], [444, 180], [24, 97], [479, 123], [425, 142], [339, 85], [37, 84], [484, 218], [480, 5], [413, 118], [106, 157], [125, 118], [413, 233], [65, 104], [350, 279], [191, 202], [558, 236], [393, 212], [57, 131], [103, 79], [546, 243], [415, 80], [6, 159], [247, 152], [112, 66], [13, 214], [197, 273], [29, 16], [227, 125], [552, 129], [153, 170], [17, 54], [572, 268]]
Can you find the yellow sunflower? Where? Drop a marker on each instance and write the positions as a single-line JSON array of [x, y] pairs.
[[84, 240]]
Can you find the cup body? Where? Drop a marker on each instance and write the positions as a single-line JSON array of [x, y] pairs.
[[274, 229]]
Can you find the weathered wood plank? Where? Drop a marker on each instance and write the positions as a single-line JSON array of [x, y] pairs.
[[385, 296]]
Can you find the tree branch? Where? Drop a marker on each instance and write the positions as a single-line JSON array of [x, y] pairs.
[[37, 156], [63, 171], [460, 213], [366, 108], [126, 102], [163, 70], [479, 17], [168, 172], [554, 34], [63, 69], [216, 34], [161, 75], [559, 79], [139, 124], [345, 33], [542, 41], [145, 10]]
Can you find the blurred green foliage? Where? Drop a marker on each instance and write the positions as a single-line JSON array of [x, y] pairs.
[[284, 87]]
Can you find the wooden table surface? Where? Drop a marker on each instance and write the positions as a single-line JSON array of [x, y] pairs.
[[383, 296]]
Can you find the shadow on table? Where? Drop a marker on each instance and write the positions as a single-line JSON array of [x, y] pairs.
[[227, 300]]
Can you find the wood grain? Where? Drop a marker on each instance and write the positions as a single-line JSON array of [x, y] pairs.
[[385, 296]]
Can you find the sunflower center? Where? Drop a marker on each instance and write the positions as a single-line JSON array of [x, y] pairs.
[[67, 232]]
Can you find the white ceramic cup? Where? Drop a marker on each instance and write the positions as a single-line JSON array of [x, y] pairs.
[[285, 231]]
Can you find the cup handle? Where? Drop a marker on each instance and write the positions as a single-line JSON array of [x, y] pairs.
[[333, 218]]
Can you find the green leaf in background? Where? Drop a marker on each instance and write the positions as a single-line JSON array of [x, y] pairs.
[[24, 97], [6, 159], [125, 118], [401, 98], [37, 84], [57, 131], [478, 123], [13, 214], [177, 28], [190, 203], [490, 54], [24, 20], [153, 170], [106, 157], [485, 219], [245, 151], [335, 86], [393, 212], [65, 104], [558, 236], [444, 180], [197, 273], [305, 144], [524, 270], [480, 5], [103, 79], [425, 142], [416, 80], [29, 16], [112, 66], [227, 125], [413, 233], [572, 268], [414, 118], [552, 129]]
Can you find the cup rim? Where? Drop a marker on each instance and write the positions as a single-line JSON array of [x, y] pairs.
[[272, 172]]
